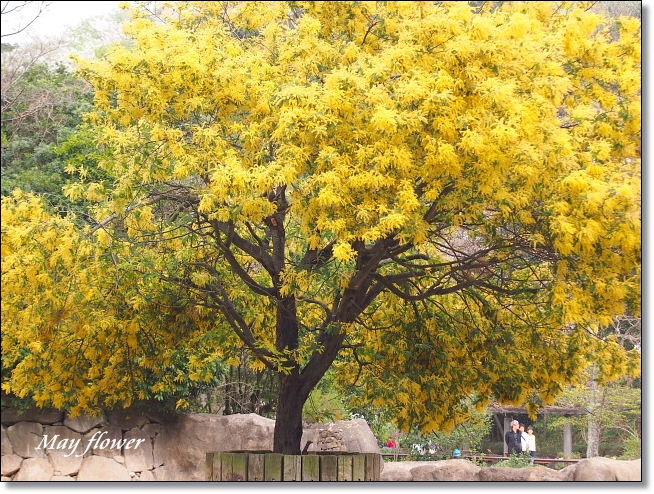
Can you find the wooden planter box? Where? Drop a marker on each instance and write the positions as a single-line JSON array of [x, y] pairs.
[[260, 466]]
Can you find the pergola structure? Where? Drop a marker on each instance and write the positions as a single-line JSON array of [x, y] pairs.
[[509, 412]]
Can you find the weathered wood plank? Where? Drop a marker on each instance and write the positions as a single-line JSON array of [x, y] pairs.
[[370, 467], [345, 468], [377, 468], [292, 468], [273, 467], [359, 467], [226, 466], [310, 468], [208, 466], [255, 468], [328, 468], [239, 467], [217, 472]]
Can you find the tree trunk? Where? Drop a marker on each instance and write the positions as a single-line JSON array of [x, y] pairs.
[[288, 423], [228, 392], [592, 450], [295, 386], [291, 398], [594, 425]]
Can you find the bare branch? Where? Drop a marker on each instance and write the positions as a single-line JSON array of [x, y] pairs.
[[42, 6]]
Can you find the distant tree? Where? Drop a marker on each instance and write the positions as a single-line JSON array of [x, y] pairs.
[[42, 105], [614, 408], [619, 8], [614, 405], [42, 108], [12, 18], [467, 435]]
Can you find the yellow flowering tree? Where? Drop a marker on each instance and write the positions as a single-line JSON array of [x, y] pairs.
[[438, 201]]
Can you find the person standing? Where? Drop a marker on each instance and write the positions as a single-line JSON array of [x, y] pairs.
[[523, 438], [513, 438], [531, 442]]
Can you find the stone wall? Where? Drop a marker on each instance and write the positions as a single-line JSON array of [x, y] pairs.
[[49, 446]]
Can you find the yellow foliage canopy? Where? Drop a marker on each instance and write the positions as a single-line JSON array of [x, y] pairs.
[[446, 196]]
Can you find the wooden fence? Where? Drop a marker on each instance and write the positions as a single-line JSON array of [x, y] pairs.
[[251, 466]]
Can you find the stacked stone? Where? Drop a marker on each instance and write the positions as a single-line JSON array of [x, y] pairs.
[[331, 439]]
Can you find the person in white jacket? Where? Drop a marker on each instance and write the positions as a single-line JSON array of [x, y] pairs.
[[523, 437], [531, 442]]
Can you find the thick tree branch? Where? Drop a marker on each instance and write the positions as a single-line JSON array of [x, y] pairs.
[[433, 210], [257, 252], [242, 273], [328, 311], [223, 303], [434, 290]]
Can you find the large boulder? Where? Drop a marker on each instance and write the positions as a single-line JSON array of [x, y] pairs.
[[182, 445], [146, 476], [34, 470], [527, 474], [353, 436], [466, 471], [400, 471], [606, 469], [99, 468], [7, 448], [84, 423], [447, 471], [138, 459], [108, 432], [593, 469], [66, 461], [126, 419], [10, 464], [26, 439], [180, 448], [421, 471], [567, 473], [11, 416]]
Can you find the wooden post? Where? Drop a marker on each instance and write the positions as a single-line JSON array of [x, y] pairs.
[[255, 467], [292, 468], [345, 468], [208, 466], [567, 439], [226, 466], [273, 467], [310, 468], [217, 467], [239, 467], [377, 466], [328, 468], [369, 474], [359, 468]]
